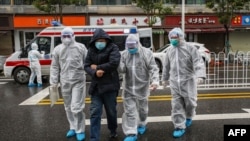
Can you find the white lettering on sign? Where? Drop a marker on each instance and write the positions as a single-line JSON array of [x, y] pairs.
[[201, 20], [45, 21], [123, 20], [236, 132]]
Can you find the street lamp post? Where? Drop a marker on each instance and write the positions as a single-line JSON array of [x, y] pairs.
[[183, 16]]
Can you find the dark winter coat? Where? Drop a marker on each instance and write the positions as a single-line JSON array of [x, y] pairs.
[[108, 60]]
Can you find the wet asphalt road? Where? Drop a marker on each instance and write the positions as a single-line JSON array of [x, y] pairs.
[[40, 122]]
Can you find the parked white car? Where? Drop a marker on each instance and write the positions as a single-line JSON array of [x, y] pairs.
[[160, 53]]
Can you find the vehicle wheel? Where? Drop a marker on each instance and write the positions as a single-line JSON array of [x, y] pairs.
[[22, 75], [158, 65]]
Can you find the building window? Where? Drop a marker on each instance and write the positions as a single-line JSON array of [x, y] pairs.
[[186, 1], [4, 22], [23, 2], [4, 2], [111, 2]]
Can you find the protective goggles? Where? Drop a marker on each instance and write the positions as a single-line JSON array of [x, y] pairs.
[[174, 35], [67, 36], [131, 44]]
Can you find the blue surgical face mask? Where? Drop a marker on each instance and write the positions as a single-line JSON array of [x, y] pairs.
[[174, 42], [100, 45], [132, 50]]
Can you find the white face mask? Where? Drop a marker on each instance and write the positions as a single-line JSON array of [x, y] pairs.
[[66, 41]]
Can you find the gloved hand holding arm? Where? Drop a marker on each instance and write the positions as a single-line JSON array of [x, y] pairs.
[[153, 86], [199, 80]]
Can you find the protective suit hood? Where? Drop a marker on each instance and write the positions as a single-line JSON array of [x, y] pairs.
[[67, 36], [132, 38], [177, 32], [34, 46]]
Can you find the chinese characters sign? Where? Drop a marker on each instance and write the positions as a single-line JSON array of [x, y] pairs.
[[45, 21], [191, 20], [240, 20], [236, 20], [42, 21], [200, 20], [122, 20]]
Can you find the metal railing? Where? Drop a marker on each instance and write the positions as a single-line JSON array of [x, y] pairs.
[[228, 71]]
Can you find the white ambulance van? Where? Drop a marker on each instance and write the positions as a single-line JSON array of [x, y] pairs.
[[17, 65]]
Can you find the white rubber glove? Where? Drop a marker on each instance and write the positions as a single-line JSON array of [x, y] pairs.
[[165, 84], [153, 87], [53, 85], [200, 80]]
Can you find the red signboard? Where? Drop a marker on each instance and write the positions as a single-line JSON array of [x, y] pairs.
[[237, 20], [193, 21]]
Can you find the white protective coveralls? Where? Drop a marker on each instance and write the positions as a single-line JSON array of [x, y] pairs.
[[68, 66], [182, 67], [35, 66], [139, 71]]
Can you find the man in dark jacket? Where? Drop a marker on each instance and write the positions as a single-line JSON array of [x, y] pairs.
[[101, 64]]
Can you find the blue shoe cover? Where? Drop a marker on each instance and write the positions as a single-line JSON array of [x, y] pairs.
[[80, 136], [31, 85], [131, 138], [71, 133], [39, 85], [178, 133], [188, 122], [141, 129]]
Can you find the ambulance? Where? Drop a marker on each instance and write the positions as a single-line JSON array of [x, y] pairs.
[[17, 65]]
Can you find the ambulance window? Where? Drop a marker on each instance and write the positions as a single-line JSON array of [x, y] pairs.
[[44, 44], [119, 41], [26, 49], [84, 40], [145, 41], [57, 41]]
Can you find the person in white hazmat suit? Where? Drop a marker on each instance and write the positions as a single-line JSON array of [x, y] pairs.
[[140, 75], [67, 68], [35, 66], [183, 68]]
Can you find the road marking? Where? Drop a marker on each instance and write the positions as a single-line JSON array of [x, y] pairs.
[[39, 98], [36, 98], [196, 117], [1, 83], [167, 97]]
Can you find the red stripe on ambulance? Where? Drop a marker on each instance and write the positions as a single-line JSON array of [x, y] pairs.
[[78, 33], [26, 62]]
